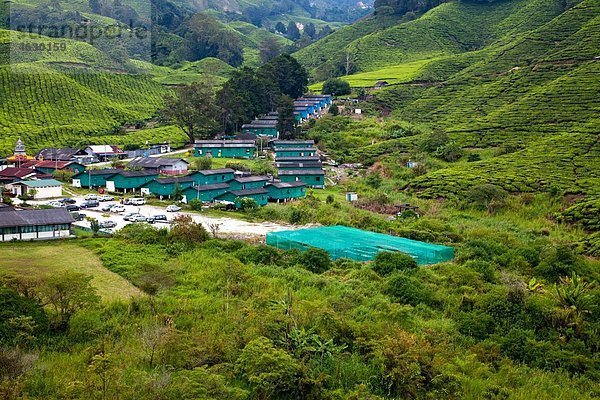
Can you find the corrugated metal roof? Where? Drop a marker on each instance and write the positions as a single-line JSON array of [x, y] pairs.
[[215, 171], [205, 188], [248, 179], [287, 185], [155, 162], [303, 172], [41, 183], [53, 216], [249, 192]]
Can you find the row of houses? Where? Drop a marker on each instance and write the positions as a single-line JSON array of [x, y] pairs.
[[206, 186], [306, 107], [298, 161]]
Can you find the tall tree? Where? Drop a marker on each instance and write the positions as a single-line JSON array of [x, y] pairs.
[[280, 27], [194, 110], [269, 49], [293, 33], [286, 123], [310, 30], [290, 76]]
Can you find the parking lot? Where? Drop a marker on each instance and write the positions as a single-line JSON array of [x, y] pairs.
[[227, 226]]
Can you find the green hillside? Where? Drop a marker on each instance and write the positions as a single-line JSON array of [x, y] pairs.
[[518, 79], [78, 96]]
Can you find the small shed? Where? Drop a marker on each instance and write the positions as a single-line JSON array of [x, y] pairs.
[[312, 177], [93, 178], [212, 176], [166, 187], [262, 127], [286, 191], [260, 196], [129, 181], [205, 193], [299, 165]]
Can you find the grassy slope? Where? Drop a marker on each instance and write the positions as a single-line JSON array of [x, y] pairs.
[[39, 260], [74, 97], [532, 85]]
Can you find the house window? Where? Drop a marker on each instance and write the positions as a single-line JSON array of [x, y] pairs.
[[318, 179]]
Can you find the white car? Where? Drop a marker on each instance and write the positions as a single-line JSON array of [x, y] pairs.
[[117, 209], [137, 201], [138, 218], [91, 197], [55, 204], [105, 197], [173, 208]]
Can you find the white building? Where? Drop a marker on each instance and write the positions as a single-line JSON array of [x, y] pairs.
[[40, 189], [35, 224]]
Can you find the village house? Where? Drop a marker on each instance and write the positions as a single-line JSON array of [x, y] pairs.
[[283, 144], [162, 166], [12, 174], [35, 224], [93, 178], [50, 167], [167, 187], [212, 176], [249, 182], [205, 193], [262, 128], [286, 191], [295, 152], [282, 166], [312, 177], [105, 153], [38, 189], [129, 181], [313, 159], [225, 148], [59, 154]]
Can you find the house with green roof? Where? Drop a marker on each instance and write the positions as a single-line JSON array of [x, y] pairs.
[[260, 196], [129, 181], [167, 187], [314, 178], [212, 176], [205, 193], [286, 191]]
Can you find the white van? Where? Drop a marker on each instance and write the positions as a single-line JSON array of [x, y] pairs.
[[137, 201]]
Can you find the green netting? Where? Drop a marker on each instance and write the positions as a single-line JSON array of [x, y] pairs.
[[356, 244]]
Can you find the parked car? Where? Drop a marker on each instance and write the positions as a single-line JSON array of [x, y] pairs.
[[72, 208], [55, 204], [173, 208], [138, 218], [67, 201], [106, 231], [108, 224], [117, 209], [105, 197], [131, 216], [78, 216], [90, 204], [106, 208], [91, 197], [137, 201], [157, 218]]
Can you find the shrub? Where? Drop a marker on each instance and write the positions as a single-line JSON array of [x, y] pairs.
[[386, 262], [407, 289], [315, 260], [474, 157], [450, 152], [476, 324], [248, 204], [487, 197], [434, 141], [259, 255], [202, 163], [559, 261], [195, 204], [336, 86], [185, 230]]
